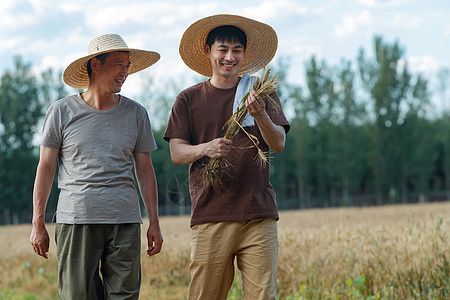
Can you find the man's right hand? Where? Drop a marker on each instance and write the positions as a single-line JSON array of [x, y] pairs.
[[217, 148], [183, 153]]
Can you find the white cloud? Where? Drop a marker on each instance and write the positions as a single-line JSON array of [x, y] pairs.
[[274, 9], [350, 24], [382, 3], [407, 21], [6, 7], [54, 33], [446, 31], [12, 44], [424, 64], [10, 21], [50, 61], [40, 6], [368, 3], [70, 7], [116, 16]]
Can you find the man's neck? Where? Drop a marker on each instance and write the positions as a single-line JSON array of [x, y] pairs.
[[100, 100], [221, 82]]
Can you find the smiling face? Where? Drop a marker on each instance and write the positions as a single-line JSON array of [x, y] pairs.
[[226, 59], [112, 73]]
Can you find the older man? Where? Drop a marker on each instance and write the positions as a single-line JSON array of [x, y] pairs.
[[95, 136]]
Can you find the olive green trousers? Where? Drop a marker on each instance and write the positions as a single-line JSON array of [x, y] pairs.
[[98, 261]]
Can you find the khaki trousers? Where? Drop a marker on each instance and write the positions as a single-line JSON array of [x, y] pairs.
[[214, 247]]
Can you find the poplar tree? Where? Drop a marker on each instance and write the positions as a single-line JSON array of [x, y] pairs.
[[20, 110]]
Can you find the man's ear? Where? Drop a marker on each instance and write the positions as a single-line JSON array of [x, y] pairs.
[[207, 50], [94, 64]]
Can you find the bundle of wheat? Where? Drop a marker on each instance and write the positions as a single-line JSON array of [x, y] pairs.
[[264, 87]]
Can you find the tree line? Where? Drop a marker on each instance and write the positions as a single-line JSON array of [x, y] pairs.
[[362, 133]]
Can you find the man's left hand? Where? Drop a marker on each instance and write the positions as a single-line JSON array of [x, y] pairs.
[[154, 239], [255, 104]]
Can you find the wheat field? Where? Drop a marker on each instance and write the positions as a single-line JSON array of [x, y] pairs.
[[388, 252]]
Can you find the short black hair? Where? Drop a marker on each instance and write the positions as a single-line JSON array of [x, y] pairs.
[[226, 33]]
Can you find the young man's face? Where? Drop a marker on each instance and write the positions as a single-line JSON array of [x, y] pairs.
[[114, 71], [226, 58]]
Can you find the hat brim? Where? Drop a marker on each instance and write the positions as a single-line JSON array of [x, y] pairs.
[[261, 47], [76, 76]]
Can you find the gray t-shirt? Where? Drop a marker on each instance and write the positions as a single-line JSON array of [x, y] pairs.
[[95, 159]]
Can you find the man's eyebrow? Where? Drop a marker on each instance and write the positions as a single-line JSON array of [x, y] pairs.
[[122, 61], [226, 46]]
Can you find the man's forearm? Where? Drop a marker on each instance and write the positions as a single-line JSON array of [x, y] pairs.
[[149, 193], [183, 153], [145, 175], [274, 135], [41, 192]]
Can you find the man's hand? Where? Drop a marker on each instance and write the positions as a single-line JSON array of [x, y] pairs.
[[274, 135], [183, 153], [217, 148], [40, 240], [154, 239], [255, 104]]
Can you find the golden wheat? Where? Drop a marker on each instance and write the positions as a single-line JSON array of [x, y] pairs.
[[393, 247]]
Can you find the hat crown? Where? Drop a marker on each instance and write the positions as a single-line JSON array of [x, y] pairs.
[[262, 43], [106, 42]]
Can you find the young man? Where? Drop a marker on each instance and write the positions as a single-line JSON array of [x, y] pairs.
[[238, 220], [95, 136]]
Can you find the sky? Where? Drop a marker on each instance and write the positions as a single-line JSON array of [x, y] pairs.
[[53, 33]]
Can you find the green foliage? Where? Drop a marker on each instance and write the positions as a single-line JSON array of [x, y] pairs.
[[24, 99], [20, 111], [398, 104], [172, 180], [9, 294], [362, 140], [361, 134], [235, 292], [19, 108]]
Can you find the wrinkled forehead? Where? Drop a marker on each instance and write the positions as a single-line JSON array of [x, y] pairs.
[[121, 55]]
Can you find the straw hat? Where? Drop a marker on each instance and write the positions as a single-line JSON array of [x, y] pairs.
[[261, 43], [76, 74]]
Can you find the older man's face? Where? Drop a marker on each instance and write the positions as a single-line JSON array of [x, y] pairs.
[[113, 72]]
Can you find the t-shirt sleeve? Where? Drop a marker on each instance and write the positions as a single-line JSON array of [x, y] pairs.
[[178, 125], [52, 128], [276, 113], [145, 140]]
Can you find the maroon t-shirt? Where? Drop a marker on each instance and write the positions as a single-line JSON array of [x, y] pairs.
[[198, 116]]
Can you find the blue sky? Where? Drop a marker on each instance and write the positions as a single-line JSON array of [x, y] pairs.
[[51, 33]]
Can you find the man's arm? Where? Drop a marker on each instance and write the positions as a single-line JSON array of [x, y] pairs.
[[146, 178], [45, 173], [183, 153], [274, 135]]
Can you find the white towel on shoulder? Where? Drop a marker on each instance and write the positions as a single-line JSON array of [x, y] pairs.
[[242, 88]]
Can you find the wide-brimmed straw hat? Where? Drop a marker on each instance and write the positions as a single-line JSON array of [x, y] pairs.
[[76, 74], [262, 43]]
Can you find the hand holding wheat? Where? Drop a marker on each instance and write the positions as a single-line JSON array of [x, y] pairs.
[[263, 87], [255, 104]]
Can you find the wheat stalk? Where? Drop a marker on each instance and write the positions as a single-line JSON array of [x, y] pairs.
[[264, 86]]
